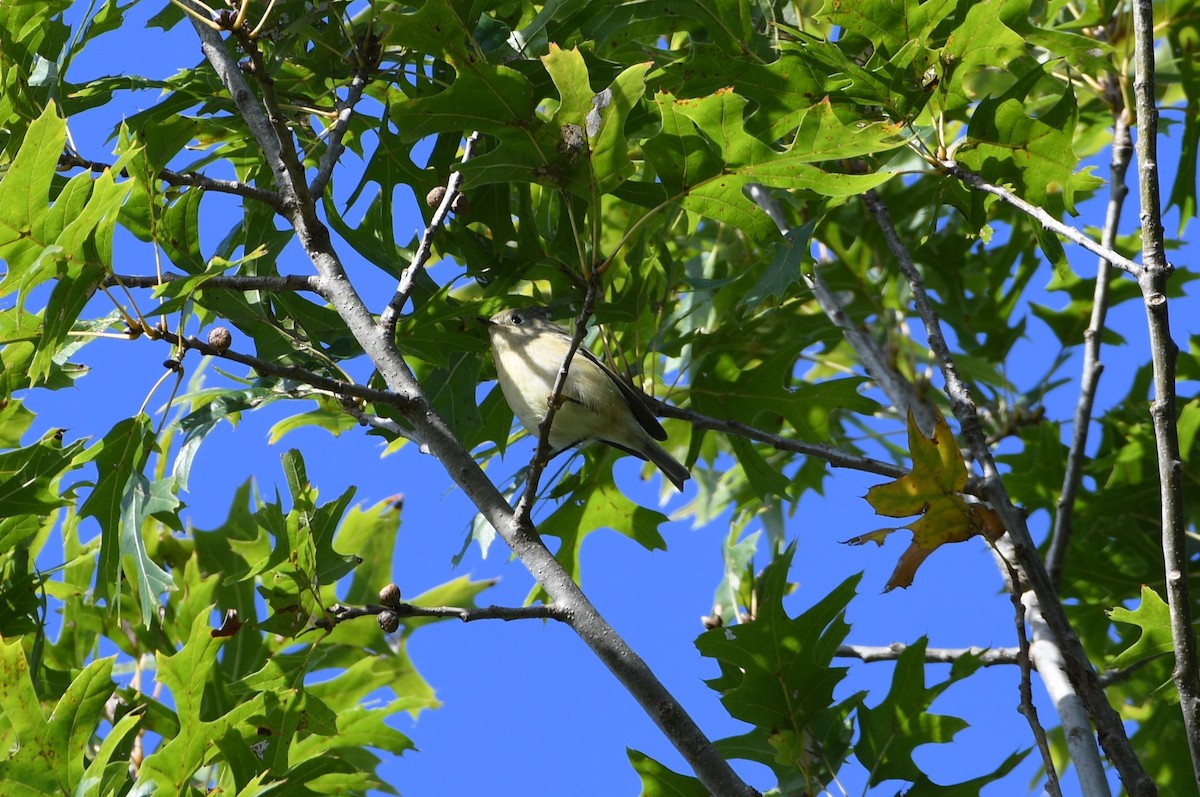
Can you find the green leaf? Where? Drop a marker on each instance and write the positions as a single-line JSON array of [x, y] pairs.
[[785, 268], [187, 674], [141, 499], [371, 534], [591, 137], [484, 97], [782, 90], [734, 590], [902, 722], [1006, 144], [118, 456], [209, 408], [891, 25], [18, 343], [49, 755], [777, 671], [451, 389], [726, 389], [764, 480], [596, 502], [28, 476], [1153, 617], [23, 196], [103, 775], [705, 157], [658, 781]]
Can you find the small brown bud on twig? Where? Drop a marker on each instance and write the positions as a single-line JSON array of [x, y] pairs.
[[390, 596], [220, 338], [389, 621]]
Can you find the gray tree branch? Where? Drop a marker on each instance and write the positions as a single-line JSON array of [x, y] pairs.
[[834, 456], [340, 613], [1153, 282], [973, 180], [988, 657], [1122, 148], [284, 282], [336, 132], [193, 179]]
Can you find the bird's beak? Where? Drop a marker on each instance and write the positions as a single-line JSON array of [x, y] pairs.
[[487, 322]]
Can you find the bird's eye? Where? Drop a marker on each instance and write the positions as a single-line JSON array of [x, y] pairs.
[[516, 319]]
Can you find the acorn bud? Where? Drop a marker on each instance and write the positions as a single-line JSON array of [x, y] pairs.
[[390, 595], [435, 196], [219, 338], [459, 204], [389, 621]]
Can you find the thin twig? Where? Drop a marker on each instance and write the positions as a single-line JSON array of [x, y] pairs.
[[408, 279], [375, 421], [541, 453], [1026, 708], [988, 657], [973, 180], [1122, 148], [834, 456], [193, 179], [1163, 352], [336, 387], [337, 131], [339, 613], [273, 283]]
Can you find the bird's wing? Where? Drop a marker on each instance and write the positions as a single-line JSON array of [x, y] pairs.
[[637, 400]]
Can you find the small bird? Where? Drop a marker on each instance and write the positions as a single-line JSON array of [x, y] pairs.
[[595, 403]]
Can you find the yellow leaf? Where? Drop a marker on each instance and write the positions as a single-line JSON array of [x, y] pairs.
[[933, 490], [938, 470], [877, 537]]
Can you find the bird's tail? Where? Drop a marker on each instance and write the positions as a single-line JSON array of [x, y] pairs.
[[677, 474]]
